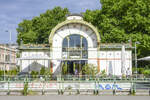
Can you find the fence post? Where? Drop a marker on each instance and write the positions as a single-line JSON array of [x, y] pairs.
[[133, 88], [135, 85], [78, 90], [43, 81], [27, 85], [62, 90], [114, 88], [95, 90], [130, 92], [59, 82], [8, 93], [97, 86], [25, 90]]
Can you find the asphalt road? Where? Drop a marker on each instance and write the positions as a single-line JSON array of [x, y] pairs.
[[78, 97]]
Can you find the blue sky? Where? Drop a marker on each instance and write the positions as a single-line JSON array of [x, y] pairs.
[[13, 12]]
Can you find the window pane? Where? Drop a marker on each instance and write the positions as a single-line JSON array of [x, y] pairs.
[[75, 50]]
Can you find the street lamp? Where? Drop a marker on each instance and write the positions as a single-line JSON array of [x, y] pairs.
[[10, 34], [4, 60], [136, 57]]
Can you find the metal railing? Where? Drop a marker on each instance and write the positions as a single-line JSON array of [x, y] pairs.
[[73, 78], [74, 83]]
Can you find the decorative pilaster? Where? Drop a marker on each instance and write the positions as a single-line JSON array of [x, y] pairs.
[[81, 39], [68, 39]]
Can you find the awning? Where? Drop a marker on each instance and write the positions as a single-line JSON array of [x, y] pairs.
[[145, 58]]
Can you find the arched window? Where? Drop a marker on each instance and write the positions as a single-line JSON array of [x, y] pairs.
[[75, 47]]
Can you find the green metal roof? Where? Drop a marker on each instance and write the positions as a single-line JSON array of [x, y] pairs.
[[105, 46]]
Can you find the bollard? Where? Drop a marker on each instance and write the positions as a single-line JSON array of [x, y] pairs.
[[114, 89], [62, 92], [58, 92], [62, 86], [58, 80], [78, 91], [95, 91], [25, 90], [130, 92], [8, 93], [133, 91], [43, 88]]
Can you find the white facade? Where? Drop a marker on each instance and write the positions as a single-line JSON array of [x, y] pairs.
[[32, 59], [7, 57], [112, 59], [108, 59]]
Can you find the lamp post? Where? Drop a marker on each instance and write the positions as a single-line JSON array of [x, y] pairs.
[[136, 57], [4, 60], [10, 34]]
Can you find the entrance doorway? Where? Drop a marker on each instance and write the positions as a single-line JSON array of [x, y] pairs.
[[73, 67], [74, 53]]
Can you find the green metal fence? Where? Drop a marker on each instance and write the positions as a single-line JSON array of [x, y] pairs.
[[64, 84], [72, 78]]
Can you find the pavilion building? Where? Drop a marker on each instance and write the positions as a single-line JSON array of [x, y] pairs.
[[76, 42]]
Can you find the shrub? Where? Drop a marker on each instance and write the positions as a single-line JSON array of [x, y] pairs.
[[64, 69], [89, 69], [34, 74], [1, 72], [13, 72], [141, 70], [103, 73], [42, 71], [147, 72]]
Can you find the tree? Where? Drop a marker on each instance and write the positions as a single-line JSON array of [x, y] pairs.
[[38, 29], [120, 20]]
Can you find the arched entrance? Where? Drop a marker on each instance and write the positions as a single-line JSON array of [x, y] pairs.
[[74, 53], [74, 41]]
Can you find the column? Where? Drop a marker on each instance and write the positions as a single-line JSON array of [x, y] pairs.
[[80, 67], [74, 68], [81, 45], [20, 65], [28, 65], [10, 58], [51, 66], [44, 63], [68, 39]]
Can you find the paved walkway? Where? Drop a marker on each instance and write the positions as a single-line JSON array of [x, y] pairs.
[[78, 97]]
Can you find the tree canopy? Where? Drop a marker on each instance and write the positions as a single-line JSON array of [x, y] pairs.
[[121, 20], [38, 29]]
